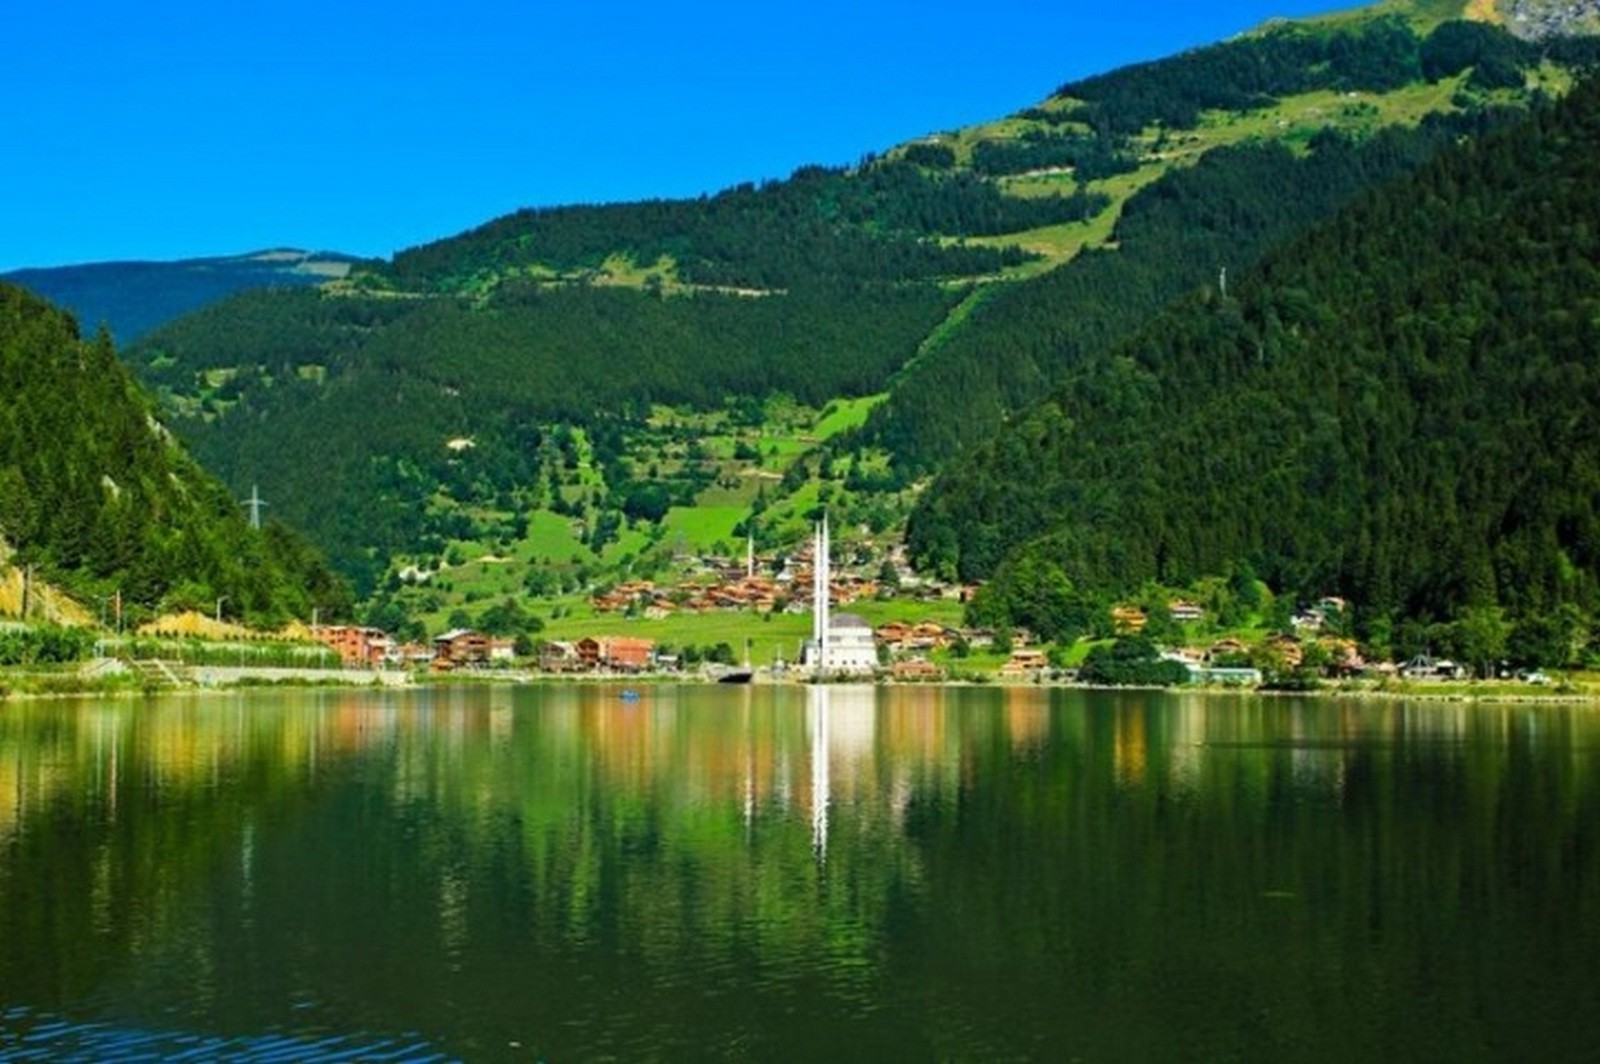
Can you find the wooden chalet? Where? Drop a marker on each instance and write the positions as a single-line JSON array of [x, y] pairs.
[[461, 647]]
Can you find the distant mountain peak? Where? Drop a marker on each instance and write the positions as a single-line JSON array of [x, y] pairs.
[[134, 297]]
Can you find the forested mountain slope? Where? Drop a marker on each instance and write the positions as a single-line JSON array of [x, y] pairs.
[[965, 275], [353, 413], [1400, 407], [1188, 230], [96, 494], [1333, 108]]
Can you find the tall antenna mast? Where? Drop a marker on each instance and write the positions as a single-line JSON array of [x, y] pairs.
[[255, 502]]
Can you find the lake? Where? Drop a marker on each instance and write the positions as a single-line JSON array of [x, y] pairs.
[[700, 873]]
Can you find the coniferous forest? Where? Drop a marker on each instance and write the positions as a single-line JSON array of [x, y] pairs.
[[97, 496], [1397, 407], [1179, 233]]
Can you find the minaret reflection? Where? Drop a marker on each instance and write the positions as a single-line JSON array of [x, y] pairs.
[[842, 720], [817, 712]]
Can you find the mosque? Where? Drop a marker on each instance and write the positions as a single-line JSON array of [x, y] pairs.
[[842, 645]]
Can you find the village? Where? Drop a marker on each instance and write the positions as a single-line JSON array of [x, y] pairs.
[[926, 649]]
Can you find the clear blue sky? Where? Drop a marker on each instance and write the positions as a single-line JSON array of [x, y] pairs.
[[163, 129]]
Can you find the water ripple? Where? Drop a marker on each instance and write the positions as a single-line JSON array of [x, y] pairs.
[[26, 1035]]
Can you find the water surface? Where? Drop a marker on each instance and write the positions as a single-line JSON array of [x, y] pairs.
[[560, 873]]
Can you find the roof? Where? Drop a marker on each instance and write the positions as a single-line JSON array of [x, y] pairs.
[[847, 620]]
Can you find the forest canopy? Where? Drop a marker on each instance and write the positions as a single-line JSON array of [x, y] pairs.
[[1398, 407], [96, 494]]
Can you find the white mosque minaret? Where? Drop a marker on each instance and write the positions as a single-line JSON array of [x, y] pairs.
[[821, 602], [841, 645]]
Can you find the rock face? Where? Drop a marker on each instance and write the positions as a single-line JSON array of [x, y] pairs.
[[1537, 19]]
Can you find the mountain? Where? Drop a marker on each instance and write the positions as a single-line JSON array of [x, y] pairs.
[[1398, 407], [1540, 19], [97, 496], [131, 298], [549, 369], [1232, 149]]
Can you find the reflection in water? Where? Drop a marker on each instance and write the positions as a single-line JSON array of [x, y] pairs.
[[817, 715], [800, 872]]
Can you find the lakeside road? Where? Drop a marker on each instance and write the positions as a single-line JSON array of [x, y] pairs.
[[96, 677], [232, 675]]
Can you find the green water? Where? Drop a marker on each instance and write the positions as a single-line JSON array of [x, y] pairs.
[[560, 874]]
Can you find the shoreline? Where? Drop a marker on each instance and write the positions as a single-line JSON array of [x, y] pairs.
[[28, 685]]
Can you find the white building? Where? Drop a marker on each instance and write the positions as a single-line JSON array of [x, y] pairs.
[[851, 647], [839, 646]]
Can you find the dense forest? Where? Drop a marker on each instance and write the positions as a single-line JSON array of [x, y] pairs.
[[1398, 407], [879, 222], [96, 495], [1254, 71], [1175, 235], [343, 406], [1192, 224]]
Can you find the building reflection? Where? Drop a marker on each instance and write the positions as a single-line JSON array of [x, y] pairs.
[[755, 752]]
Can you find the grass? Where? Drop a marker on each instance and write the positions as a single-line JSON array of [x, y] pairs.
[[549, 537], [1294, 119], [843, 414], [702, 526], [779, 636]]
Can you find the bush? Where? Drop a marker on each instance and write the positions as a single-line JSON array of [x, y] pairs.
[[1132, 662], [45, 645]]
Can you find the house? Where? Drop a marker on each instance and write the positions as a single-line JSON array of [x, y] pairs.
[[931, 635], [894, 634], [1230, 648], [557, 656], [1423, 667], [588, 650], [503, 650], [1288, 649], [916, 670], [627, 653], [1344, 655], [411, 654], [1025, 661], [1183, 611], [1307, 621], [1128, 620], [460, 646], [357, 647]]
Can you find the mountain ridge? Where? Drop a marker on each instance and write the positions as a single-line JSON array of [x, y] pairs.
[[133, 296]]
